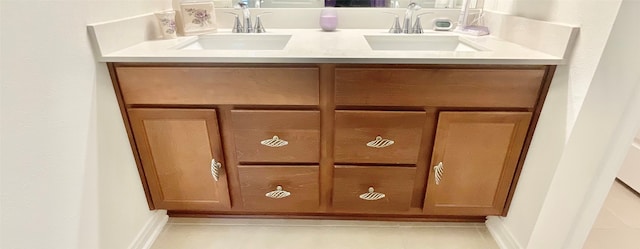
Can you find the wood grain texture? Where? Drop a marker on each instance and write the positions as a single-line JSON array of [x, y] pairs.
[[424, 159], [354, 129], [219, 85], [326, 134], [438, 87], [228, 142], [301, 129], [479, 151], [351, 181], [176, 147], [300, 181], [132, 141]]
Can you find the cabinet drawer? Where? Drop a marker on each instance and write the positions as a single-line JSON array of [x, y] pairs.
[[438, 87], [300, 181], [352, 181], [298, 136], [356, 133], [199, 85]]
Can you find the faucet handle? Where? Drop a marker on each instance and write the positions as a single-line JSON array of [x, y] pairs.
[[240, 5], [259, 27], [417, 25], [237, 25], [395, 27], [414, 6]]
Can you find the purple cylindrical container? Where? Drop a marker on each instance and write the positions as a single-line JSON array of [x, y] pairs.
[[328, 19]]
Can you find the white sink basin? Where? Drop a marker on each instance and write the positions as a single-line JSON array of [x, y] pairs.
[[238, 42], [419, 43]]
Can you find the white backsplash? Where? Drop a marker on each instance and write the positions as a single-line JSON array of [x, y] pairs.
[[348, 18]]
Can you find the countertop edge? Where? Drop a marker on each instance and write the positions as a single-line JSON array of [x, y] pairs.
[[283, 60]]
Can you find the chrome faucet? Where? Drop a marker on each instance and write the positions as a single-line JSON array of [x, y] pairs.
[[408, 15], [246, 17], [245, 26]]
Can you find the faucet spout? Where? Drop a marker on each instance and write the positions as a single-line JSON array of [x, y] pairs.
[[408, 16], [246, 17]]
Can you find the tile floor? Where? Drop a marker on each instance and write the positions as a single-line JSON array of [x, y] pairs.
[[618, 224], [183, 233]]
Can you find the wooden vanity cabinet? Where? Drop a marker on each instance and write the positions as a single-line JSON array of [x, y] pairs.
[[325, 140]]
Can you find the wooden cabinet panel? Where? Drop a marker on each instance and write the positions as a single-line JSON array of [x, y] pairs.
[[479, 152], [219, 85], [300, 130], [301, 181], [354, 129], [352, 181], [438, 87], [176, 148]]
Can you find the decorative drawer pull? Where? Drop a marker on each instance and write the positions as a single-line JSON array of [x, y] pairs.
[[372, 195], [215, 169], [274, 142], [380, 142], [278, 193], [439, 170]]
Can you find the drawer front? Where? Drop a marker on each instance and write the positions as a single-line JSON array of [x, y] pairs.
[[396, 183], [300, 181], [398, 134], [438, 87], [276, 136], [199, 85]]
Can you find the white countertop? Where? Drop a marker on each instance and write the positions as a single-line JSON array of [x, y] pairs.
[[341, 46], [513, 40]]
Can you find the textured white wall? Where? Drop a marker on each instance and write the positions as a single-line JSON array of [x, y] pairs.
[[557, 149], [606, 124], [68, 178], [595, 18]]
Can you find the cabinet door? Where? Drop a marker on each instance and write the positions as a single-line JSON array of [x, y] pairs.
[[474, 160], [177, 148]]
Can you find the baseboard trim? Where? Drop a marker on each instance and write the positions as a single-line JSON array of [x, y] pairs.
[[501, 234], [149, 233]]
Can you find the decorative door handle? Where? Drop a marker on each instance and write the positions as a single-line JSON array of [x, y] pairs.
[[372, 195], [278, 193], [274, 142], [438, 170], [215, 169], [380, 142]]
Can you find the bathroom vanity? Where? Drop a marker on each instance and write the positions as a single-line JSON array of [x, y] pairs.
[[327, 128], [415, 141]]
